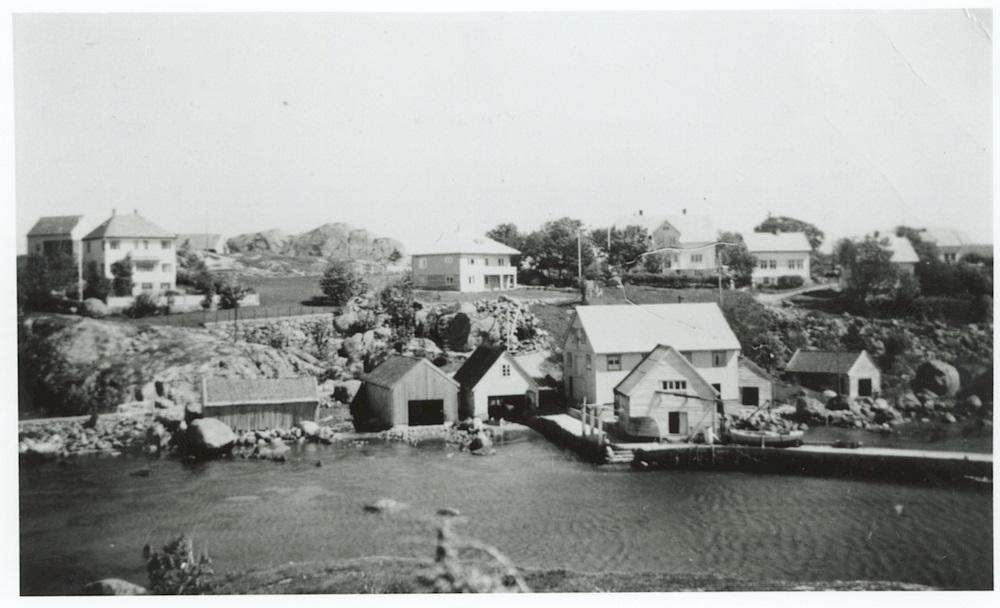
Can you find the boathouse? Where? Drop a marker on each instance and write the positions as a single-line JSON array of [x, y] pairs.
[[756, 385], [249, 404], [493, 382], [405, 391], [852, 374], [665, 397]]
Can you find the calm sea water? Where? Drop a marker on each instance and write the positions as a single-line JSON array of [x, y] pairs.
[[539, 505]]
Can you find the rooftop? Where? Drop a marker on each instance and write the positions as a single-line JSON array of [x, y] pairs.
[[822, 361], [480, 362], [55, 225], [393, 369], [780, 242], [457, 244], [692, 228], [225, 391], [128, 225], [654, 358], [628, 328]]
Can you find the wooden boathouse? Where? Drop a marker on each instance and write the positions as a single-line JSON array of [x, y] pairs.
[[405, 391], [247, 404]]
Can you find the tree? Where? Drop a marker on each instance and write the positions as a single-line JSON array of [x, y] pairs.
[[783, 223], [738, 258], [553, 249], [927, 251], [98, 285], [506, 234], [871, 271], [396, 302], [341, 282], [627, 244], [231, 293], [40, 275], [121, 284]]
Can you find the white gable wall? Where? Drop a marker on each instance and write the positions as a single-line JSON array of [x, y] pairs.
[[494, 382]]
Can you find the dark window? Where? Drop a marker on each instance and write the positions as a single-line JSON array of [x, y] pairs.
[[676, 423], [749, 395], [864, 387]]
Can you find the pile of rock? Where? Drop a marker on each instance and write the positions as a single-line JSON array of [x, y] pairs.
[[464, 326], [58, 439]]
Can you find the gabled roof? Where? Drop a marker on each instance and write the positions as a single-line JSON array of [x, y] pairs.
[[753, 367], [629, 328], [480, 362], [822, 361], [944, 237], [127, 225], [395, 368], [902, 250], [653, 359], [692, 228], [226, 391], [781, 242], [457, 244], [199, 240], [55, 225], [539, 367]]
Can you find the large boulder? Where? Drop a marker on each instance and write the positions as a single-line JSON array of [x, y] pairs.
[[113, 586], [94, 308], [453, 331], [309, 428], [937, 377], [206, 437], [807, 407]]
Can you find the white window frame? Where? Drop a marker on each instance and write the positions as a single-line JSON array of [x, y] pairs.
[[773, 264], [696, 258], [115, 244], [165, 268], [505, 370], [449, 280], [165, 286], [448, 259], [164, 244], [613, 362], [673, 385], [718, 358], [146, 286]]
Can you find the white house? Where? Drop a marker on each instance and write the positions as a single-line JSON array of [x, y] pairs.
[[150, 248], [604, 343], [694, 235], [665, 397], [852, 374], [457, 264], [781, 254], [492, 380], [950, 242]]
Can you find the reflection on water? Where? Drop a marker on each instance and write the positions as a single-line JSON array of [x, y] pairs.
[[542, 507]]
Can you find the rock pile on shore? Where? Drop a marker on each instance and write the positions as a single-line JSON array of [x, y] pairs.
[[60, 438]]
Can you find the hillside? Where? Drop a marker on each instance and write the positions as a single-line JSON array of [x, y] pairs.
[[333, 240]]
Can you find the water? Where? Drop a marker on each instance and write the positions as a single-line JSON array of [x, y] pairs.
[[540, 506]]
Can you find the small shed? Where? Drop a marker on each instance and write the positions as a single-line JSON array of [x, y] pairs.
[[406, 391], [665, 397], [853, 374], [756, 385], [248, 404], [492, 381]]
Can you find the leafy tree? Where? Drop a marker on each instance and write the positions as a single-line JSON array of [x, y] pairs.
[[738, 258], [506, 234], [783, 223], [870, 267], [40, 275], [191, 269], [231, 293], [122, 284], [341, 282], [397, 303], [627, 244], [97, 285], [553, 249], [927, 251], [652, 263]]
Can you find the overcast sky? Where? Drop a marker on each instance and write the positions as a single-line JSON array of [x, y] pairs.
[[412, 124]]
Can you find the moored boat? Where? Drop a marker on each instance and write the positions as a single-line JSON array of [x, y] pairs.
[[770, 439]]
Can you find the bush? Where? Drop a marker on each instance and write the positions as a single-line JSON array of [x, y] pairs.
[[175, 570], [674, 281], [340, 283], [790, 281], [94, 308], [145, 305], [122, 284], [231, 293]]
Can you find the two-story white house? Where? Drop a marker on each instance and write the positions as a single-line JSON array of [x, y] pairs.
[[478, 264], [693, 236], [604, 343], [152, 250], [778, 255]]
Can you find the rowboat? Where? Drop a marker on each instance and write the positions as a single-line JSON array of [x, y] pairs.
[[770, 439]]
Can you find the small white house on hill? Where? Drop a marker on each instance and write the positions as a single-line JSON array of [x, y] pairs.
[[665, 397], [781, 254], [605, 343], [151, 249], [693, 235], [464, 264], [492, 381], [853, 374]]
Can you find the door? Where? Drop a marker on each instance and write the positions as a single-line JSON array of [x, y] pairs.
[[500, 406], [426, 411], [677, 423], [750, 395], [864, 387]]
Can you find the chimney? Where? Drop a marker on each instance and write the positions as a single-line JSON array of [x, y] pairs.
[[640, 213], [684, 211], [113, 211]]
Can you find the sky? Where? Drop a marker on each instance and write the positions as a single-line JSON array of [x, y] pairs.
[[411, 125]]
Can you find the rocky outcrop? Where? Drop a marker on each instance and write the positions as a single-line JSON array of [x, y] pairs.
[[937, 377], [113, 586], [334, 241], [206, 438]]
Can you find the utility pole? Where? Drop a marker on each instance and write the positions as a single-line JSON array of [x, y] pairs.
[[579, 265]]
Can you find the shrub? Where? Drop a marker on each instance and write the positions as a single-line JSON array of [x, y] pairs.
[[96, 284], [340, 283], [122, 283], [396, 301], [145, 305], [790, 281], [175, 570], [674, 281], [231, 293]]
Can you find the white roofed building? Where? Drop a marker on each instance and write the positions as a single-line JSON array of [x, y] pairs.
[[465, 264], [693, 235], [605, 343], [778, 254], [151, 249]]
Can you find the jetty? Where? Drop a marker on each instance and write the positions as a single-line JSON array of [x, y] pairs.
[[592, 442]]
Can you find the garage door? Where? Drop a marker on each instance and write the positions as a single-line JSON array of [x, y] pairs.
[[427, 411], [501, 404]]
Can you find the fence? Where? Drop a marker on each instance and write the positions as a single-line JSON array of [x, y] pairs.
[[254, 314]]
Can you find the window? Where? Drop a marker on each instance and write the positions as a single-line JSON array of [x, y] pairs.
[[470, 281], [166, 268], [773, 264], [448, 259], [718, 358], [144, 266], [763, 264], [87, 246], [504, 370], [568, 363], [588, 362], [135, 244], [749, 395], [472, 260], [614, 363], [449, 280], [145, 244], [147, 286], [165, 286], [164, 244], [421, 262], [864, 387], [687, 355], [114, 244], [486, 261], [502, 262], [696, 258], [796, 264], [673, 385], [38, 248]]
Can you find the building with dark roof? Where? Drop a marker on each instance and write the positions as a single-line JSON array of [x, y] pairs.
[[249, 404], [493, 382], [56, 233], [405, 391], [852, 374], [150, 248]]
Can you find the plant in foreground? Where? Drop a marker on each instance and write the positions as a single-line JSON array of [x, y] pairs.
[[175, 570]]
